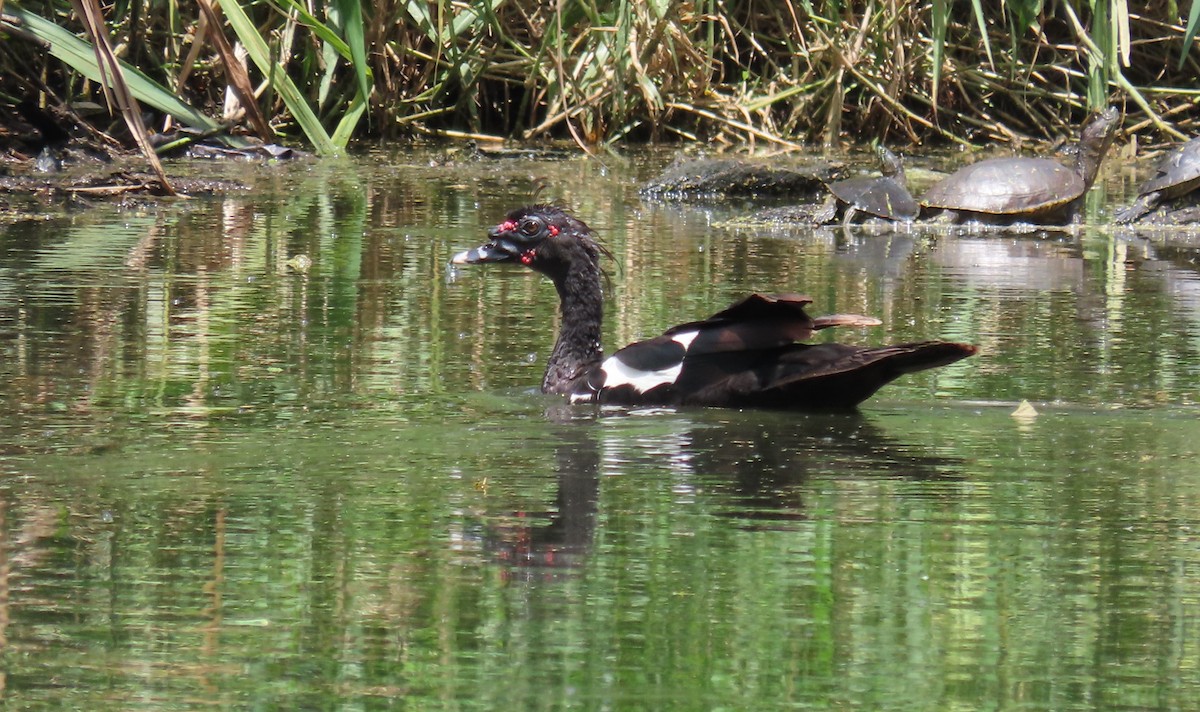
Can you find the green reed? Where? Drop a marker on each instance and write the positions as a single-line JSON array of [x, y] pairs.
[[601, 71]]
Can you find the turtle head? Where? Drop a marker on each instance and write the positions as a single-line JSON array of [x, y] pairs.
[[889, 163], [1095, 137]]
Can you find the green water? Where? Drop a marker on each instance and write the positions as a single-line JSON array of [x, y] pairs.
[[225, 482]]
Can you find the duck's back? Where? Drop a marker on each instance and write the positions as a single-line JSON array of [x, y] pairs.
[[797, 376], [748, 355]]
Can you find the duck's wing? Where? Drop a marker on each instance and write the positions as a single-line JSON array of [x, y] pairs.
[[647, 371], [809, 377], [760, 321]]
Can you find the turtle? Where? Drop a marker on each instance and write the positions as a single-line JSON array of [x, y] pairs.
[[1176, 175], [1021, 189], [884, 196]]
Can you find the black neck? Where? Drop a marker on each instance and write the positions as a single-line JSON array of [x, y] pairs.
[[1087, 164], [1094, 140], [578, 349]]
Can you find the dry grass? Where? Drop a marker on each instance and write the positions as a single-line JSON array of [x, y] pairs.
[[720, 71]]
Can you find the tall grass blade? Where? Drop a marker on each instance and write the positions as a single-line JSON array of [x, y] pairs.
[[115, 89], [419, 12], [194, 47], [940, 14], [351, 17], [983, 31], [260, 52], [1022, 17], [467, 16], [1121, 30], [1193, 25], [329, 57], [1024, 14], [345, 128], [80, 56], [323, 31], [236, 73], [1101, 59]]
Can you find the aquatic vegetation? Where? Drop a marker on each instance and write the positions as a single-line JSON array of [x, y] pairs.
[[599, 72]]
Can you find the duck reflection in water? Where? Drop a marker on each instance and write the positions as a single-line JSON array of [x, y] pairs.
[[750, 466], [560, 538], [761, 471]]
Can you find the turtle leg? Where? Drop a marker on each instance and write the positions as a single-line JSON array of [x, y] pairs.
[[945, 216], [1072, 214], [1141, 206], [849, 215], [827, 213]]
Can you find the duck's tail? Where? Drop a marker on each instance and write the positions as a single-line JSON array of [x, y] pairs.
[[839, 377]]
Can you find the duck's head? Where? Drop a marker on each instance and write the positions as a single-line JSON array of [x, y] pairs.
[[541, 237]]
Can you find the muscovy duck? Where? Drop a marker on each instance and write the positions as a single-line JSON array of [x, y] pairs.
[[744, 356]]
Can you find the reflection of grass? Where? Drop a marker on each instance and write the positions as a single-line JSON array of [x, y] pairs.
[[770, 558], [93, 246]]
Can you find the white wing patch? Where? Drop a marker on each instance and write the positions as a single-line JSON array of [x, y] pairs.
[[686, 338], [618, 373]]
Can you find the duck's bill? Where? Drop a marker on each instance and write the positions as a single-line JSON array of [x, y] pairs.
[[482, 255]]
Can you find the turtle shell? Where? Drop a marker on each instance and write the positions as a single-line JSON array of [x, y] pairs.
[[1007, 186], [883, 196], [1177, 173]]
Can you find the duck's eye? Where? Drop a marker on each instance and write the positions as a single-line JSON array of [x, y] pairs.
[[531, 226]]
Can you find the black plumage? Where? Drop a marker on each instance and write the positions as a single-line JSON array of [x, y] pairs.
[[748, 355]]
